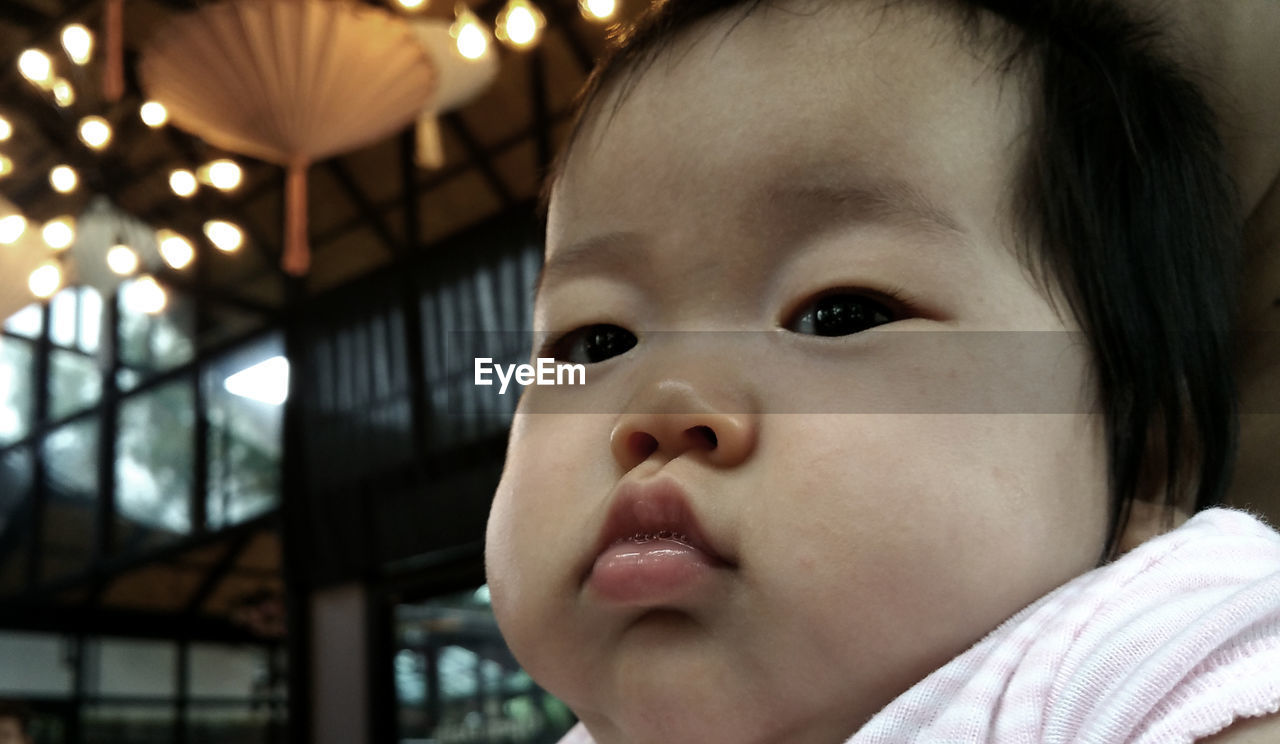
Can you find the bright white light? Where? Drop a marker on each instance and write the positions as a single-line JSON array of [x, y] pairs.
[[95, 132], [6, 166], [145, 295], [519, 23], [267, 381], [153, 114], [473, 42], [59, 233], [183, 182], [6, 129], [412, 4], [223, 174], [598, 10], [63, 178], [36, 67], [63, 94], [12, 228], [176, 250], [122, 259], [78, 43], [45, 281], [225, 236], [9, 421]]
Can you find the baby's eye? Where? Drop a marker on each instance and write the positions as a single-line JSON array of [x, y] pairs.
[[840, 314], [591, 344]]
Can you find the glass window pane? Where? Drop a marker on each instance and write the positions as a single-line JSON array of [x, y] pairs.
[[155, 461], [244, 393], [75, 318], [15, 490], [120, 666], [224, 724], [34, 664], [16, 395], [26, 322], [455, 678], [71, 468], [108, 723], [154, 343], [75, 383], [229, 671]]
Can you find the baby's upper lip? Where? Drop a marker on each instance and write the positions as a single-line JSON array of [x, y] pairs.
[[652, 508]]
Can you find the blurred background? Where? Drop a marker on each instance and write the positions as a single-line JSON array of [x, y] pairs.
[[243, 477]]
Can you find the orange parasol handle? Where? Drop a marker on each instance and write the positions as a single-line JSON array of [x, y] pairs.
[[297, 255], [113, 67]]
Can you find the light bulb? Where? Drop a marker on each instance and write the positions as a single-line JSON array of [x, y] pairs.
[[36, 67], [78, 43], [6, 129], [11, 228], [145, 295], [183, 182], [153, 114], [6, 165], [122, 259], [412, 5], [95, 132], [63, 178], [176, 250], [520, 24], [471, 38], [59, 233], [598, 10], [63, 94], [222, 174], [225, 236], [45, 280]]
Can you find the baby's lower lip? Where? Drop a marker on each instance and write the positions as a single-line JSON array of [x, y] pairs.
[[649, 572]]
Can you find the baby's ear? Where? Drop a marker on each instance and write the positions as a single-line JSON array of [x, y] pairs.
[[1148, 520]]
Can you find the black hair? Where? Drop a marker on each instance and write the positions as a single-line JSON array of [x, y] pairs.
[[1123, 203]]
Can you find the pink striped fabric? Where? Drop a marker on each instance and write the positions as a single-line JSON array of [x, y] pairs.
[[1169, 644]]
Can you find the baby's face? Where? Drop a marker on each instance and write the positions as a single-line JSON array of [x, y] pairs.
[[842, 522]]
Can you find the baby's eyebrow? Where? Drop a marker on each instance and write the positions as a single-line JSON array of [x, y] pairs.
[[598, 253]]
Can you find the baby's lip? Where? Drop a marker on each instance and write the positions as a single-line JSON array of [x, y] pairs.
[[656, 509]]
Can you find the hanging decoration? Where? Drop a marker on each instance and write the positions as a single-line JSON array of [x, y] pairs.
[[461, 80], [289, 82]]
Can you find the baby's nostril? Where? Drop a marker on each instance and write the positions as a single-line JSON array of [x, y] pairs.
[[643, 445], [706, 434]]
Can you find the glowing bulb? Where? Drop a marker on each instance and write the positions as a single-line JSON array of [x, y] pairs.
[[413, 5], [183, 182], [598, 10], [59, 233], [78, 43], [176, 250], [12, 228], [122, 259], [45, 280], [36, 67], [6, 129], [63, 178], [154, 114], [520, 24], [471, 38], [223, 174], [95, 132], [63, 94], [225, 236], [145, 295], [6, 166]]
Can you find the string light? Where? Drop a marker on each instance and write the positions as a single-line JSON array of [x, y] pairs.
[[122, 259], [176, 250], [36, 67], [78, 43], [11, 228], [63, 94], [59, 233], [598, 10], [95, 132], [6, 129], [470, 35], [183, 182], [45, 280], [222, 174], [63, 178], [154, 114], [145, 295], [6, 165], [412, 5], [520, 24], [225, 236]]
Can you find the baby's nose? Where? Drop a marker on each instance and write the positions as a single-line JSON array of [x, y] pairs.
[[674, 418]]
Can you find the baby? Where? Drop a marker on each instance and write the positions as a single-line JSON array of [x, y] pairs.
[[832, 522]]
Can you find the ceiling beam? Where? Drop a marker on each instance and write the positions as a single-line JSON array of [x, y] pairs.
[[478, 157], [217, 572], [364, 205]]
